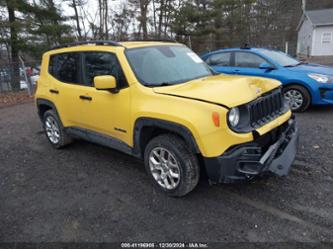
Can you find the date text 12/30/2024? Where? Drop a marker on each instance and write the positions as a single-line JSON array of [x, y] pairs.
[[164, 245]]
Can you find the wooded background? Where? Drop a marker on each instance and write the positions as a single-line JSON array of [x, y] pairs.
[[29, 27]]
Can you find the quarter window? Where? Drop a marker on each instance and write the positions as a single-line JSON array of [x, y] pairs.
[[221, 59], [65, 67], [243, 59], [101, 63]]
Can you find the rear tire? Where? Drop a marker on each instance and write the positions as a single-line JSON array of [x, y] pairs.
[[54, 130], [172, 167], [298, 97]]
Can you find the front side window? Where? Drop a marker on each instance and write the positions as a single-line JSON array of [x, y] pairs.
[[166, 65], [102, 63], [243, 59], [221, 59], [280, 58], [65, 67]]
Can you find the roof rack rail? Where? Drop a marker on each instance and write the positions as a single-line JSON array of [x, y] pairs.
[[95, 42], [152, 40]]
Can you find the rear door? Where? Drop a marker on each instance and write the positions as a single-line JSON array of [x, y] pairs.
[[65, 69], [221, 62]]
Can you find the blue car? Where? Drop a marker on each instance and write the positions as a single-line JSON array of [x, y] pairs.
[[303, 84]]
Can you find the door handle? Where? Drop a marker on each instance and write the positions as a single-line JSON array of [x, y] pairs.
[[85, 97], [54, 91], [236, 71]]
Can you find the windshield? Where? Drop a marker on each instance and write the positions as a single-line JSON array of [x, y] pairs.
[[281, 58], [166, 65]]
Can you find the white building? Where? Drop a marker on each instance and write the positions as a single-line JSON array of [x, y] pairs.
[[315, 34]]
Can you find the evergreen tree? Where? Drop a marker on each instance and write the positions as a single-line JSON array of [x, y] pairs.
[[31, 27]]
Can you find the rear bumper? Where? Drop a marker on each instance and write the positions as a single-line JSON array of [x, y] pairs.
[[272, 154]]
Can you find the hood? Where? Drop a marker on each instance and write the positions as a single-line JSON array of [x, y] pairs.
[[225, 90], [313, 68]]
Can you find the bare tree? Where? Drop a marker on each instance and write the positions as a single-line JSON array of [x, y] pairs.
[[103, 19], [144, 17], [76, 5], [142, 6]]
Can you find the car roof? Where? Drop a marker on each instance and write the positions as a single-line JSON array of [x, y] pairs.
[[100, 45], [138, 44], [237, 50]]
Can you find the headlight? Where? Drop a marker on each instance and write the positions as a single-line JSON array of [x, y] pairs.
[[233, 117], [321, 78]]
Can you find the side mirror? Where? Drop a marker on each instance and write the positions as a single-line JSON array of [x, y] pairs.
[[266, 66], [106, 82]]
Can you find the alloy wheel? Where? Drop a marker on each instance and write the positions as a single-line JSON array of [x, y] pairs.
[[294, 98], [52, 130], [164, 168]]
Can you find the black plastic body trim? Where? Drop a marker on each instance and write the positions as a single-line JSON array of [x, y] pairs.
[[46, 102], [249, 160], [99, 138], [79, 43], [151, 40], [181, 130]]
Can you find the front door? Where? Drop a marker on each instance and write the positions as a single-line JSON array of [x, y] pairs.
[[247, 63], [102, 111]]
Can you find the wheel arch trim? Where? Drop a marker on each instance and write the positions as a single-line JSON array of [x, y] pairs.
[[179, 129], [46, 102]]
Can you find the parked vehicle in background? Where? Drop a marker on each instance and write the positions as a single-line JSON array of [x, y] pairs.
[[303, 83], [158, 101], [33, 78], [6, 76]]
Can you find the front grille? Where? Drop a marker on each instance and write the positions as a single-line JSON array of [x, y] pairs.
[[266, 108]]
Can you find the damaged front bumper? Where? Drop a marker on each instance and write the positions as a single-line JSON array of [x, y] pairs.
[[271, 153]]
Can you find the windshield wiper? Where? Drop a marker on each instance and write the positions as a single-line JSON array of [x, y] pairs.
[[161, 84], [298, 64], [164, 84]]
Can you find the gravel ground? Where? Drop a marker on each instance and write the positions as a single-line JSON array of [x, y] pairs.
[[90, 193]]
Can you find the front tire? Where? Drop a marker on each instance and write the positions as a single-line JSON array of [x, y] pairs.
[[173, 168], [298, 97], [54, 130]]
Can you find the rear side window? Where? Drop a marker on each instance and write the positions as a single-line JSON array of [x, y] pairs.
[[221, 59], [243, 59], [102, 63], [65, 67]]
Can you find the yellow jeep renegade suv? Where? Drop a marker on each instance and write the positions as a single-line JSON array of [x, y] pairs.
[[160, 102]]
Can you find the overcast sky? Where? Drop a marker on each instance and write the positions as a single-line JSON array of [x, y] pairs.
[[91, 7]]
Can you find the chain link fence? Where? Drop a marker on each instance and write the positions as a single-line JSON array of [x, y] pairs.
[[19, 76]]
